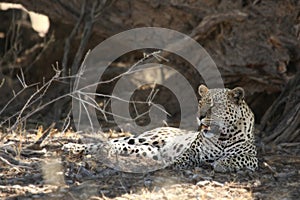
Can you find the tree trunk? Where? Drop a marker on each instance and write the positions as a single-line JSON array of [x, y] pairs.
[[281, 123]]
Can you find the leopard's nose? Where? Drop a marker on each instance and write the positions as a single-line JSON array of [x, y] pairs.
[[202, 116]]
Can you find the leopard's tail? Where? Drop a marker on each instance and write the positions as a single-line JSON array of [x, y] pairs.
[[85, 149]]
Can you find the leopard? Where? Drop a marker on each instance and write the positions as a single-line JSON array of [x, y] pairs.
[[224, 139]]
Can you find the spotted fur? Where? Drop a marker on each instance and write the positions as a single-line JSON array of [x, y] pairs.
[[225, 138]]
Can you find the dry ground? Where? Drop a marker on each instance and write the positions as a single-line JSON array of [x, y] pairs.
[[29, 170]]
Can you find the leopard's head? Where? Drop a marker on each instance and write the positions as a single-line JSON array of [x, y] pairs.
[[220, 109]]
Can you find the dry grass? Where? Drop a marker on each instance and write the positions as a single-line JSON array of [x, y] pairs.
[[191, 191], [30, 172]]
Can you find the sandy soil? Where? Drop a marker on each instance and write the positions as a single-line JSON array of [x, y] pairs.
[[34, 170]]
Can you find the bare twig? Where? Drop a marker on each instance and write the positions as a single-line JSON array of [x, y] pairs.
[[71, 36], [37, 144], [2, 82], [14, 97], [78, 93], [44, 88], [67, 122], [85, 103], [88, 25], [13, 162]]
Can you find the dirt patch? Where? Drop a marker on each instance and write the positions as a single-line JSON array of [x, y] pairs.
[[29, 172]]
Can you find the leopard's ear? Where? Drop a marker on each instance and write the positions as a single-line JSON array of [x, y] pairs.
[[202, 90], [237, 95]]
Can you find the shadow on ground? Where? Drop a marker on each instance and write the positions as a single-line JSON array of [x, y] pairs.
[[50, 174]]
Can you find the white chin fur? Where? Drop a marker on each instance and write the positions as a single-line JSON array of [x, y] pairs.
[[198, 121]]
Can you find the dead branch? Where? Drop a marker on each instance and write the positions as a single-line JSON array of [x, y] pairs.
[[209, 23]]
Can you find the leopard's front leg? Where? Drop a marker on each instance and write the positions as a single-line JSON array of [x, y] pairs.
[[237, 162], [184, 161]]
